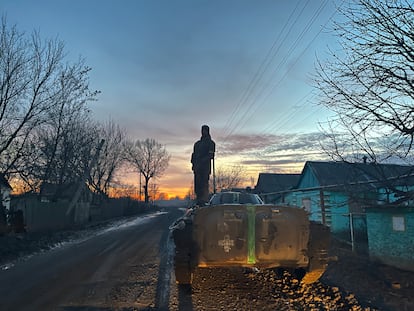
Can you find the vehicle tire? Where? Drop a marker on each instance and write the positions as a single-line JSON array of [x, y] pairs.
[[319, 242], [182, 259], [183, 274]]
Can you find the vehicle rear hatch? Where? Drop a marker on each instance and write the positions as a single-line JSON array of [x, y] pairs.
[[251, 235]]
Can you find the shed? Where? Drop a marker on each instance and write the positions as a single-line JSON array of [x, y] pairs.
[[391, 235]]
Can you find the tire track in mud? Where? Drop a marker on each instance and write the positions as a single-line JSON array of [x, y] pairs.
[[166, 251], [165, 271]]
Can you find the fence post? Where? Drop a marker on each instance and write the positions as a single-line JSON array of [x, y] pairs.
[[351, 227], [322, 199]]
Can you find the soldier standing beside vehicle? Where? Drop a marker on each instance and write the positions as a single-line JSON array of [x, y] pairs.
[[201, 158]]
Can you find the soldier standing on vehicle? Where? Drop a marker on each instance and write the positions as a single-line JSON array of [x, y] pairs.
[[201, 164]]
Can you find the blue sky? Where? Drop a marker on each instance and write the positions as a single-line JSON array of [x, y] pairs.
[[165, 67]]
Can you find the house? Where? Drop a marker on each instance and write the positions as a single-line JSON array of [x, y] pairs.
[[5, 190], [271, 187], [338, 193]]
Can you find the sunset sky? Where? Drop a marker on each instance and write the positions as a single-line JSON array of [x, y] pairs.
[[166, 67]]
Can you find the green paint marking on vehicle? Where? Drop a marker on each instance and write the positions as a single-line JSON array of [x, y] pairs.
[[251, 234]]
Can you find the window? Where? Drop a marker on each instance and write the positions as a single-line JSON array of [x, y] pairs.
[[306, 204], [398, 223]]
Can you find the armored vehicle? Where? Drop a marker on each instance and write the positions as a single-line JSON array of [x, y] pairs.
[[238, 229]]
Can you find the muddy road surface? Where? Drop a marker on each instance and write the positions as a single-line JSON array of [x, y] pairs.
[[116, 268], [128, 265]]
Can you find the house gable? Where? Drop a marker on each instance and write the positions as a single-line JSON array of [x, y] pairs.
[[308, 178]]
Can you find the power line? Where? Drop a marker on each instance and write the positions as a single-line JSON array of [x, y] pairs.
[[262, 69], [307, 47], [248, 112], [278, 124], [232, 125]]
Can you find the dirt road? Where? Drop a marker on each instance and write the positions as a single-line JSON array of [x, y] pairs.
[[128, 266], [114, 269]]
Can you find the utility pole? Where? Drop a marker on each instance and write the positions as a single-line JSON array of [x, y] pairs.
[[214, 178], [140, 184], [322, 199]]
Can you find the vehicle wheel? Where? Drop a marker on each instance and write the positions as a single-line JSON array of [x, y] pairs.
[[182, 260], [319, 241], [183, 274]]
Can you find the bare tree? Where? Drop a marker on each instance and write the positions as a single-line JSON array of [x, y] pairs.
[[229, 177], [149, 158], [369, 84], [26, 69], [36, 90], [110, 158], [63, 157], [70, 111]]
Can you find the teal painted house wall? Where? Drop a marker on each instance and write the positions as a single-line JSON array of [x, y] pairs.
[[336, 211], [336, 206], [391, 236]]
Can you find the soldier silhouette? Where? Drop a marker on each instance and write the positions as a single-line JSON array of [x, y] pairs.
[[201, 158]]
